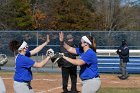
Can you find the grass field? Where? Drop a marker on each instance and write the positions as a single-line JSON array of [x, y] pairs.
[[119, 90], [52, 83]]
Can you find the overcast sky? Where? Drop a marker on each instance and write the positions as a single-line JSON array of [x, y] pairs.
[[123, 1]]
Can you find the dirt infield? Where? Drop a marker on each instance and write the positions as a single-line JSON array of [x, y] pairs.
[[51, 83]]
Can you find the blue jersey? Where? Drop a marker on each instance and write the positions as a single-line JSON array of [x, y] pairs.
[[23, 66], [90, 69]]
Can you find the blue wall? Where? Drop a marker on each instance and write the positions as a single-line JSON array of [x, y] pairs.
[[111, 65]]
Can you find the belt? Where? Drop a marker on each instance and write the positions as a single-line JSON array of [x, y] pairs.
[[92, 77], [97, 76]]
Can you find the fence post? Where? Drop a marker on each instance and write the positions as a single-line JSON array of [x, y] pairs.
[[37, 41]]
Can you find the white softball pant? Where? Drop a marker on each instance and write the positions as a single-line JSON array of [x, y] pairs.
[[22, 87], [2, 86], [91, 85]]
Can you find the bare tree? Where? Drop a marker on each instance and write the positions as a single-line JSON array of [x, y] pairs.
[[115, 14]]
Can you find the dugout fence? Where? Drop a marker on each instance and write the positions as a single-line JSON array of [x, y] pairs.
[[107, 43]]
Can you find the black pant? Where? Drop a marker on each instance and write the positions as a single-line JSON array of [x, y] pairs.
[[72, 72]]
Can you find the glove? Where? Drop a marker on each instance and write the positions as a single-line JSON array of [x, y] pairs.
[[50, 53], [118, 51], [3, 59], [56, 57]]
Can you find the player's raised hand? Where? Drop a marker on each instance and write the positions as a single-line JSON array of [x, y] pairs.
[[61, 36], [48, 39]]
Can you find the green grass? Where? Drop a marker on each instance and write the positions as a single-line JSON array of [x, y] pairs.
[[119, 90]]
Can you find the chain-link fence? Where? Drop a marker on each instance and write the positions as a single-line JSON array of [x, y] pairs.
[[104, 40]]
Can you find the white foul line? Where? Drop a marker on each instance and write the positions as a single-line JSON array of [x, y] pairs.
[[36, 79], [50, 90]]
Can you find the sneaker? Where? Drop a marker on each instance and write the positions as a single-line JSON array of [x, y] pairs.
[[123, 77], [120, 77], [65, 91], [75, 91]]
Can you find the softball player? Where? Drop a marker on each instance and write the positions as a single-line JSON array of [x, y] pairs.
[[23, 64], [88, 61], [3, 61]]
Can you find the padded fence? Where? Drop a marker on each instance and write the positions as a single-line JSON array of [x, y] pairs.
[[111, 65]]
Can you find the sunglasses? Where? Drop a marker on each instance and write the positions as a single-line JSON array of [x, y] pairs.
[[26, 47], [83, 42]]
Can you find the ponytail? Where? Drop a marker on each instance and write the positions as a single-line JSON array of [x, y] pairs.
[[93, 46], [14, 45]]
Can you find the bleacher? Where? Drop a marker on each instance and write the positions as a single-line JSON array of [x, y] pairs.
[[109, 62]]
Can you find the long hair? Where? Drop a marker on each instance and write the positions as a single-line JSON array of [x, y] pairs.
[[14, 45], [92, 40]]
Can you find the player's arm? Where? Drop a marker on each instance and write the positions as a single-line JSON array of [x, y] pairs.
[[69, 48], [37, 49], [66, 46], [42, 63], [77, 62]]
